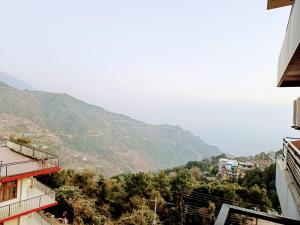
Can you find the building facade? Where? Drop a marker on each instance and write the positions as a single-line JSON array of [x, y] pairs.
[[22, 196], [227, 169], [288, 164]]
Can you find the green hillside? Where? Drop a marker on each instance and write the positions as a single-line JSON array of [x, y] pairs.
[[89, 133]]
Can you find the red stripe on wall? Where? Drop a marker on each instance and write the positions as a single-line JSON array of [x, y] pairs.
[[30, 174]]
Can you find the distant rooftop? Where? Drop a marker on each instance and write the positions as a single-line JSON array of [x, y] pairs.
[[246, 163]]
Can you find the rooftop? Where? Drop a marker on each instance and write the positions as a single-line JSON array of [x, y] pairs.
[[17, 161], [8, 156]]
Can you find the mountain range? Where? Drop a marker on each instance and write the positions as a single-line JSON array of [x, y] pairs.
[[14, 82], [88, 136]]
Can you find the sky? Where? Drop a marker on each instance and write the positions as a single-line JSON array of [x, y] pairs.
[[207, 66]]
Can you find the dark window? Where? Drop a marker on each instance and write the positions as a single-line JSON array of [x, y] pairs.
[[8, 191]]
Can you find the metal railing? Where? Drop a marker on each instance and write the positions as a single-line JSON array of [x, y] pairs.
[[230, 214], [292, 157], [39, 160], [29, 151], [27, 205]]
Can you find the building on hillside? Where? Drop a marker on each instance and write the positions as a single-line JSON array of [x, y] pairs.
[[243, 167], [227, 168], [287, 164], [21, 194], [272, 157], [263, 163], [246, 165]]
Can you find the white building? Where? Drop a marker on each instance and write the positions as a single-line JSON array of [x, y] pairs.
[[21, 195], [246, 165], [227, 168], [288, 165]]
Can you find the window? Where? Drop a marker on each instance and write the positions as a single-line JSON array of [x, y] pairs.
[[8, 191]]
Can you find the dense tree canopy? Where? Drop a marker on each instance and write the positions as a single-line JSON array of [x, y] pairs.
[[128, 199]]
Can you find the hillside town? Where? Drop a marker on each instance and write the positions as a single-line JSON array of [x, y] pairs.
[[234, 169]]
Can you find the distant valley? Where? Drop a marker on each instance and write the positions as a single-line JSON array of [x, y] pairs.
[[87, 136]]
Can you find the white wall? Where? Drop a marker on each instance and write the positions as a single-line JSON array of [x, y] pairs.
[[12, 222], [291, 40], [22, 192], [287, 200]]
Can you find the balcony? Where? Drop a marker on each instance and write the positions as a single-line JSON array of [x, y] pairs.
[[19, 160], [233, 215], [288, 178], [289, 59], [39, 197]]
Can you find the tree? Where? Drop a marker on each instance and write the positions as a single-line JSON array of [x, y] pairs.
[[87, 181], [258, 197], [26, 141], [162, 185], [140, 184], [142, 216], [115, 196], [253, 177]]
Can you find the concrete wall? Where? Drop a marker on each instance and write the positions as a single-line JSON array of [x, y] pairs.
[[22, 192], [12, 222], [13, 146], [287, 197]]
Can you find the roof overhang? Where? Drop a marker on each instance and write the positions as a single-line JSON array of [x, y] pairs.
[[289, 58], [291, 76], [272, 4]]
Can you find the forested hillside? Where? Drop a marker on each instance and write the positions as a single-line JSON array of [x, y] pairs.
[[87, 136], [129, 199]]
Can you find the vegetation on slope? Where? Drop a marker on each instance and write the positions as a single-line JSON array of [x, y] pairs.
[[121, 143], [181, 194]]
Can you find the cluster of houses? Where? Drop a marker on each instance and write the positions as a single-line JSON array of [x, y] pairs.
[[231, 168]]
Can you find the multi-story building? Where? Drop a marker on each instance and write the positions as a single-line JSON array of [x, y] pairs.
[[246, 165], [288, 164], [21, 194]]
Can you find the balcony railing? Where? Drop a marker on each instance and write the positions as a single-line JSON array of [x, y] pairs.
[[29, 151], [27, 205], [292, 158], [233, 215], [41, 187], [38, 160]]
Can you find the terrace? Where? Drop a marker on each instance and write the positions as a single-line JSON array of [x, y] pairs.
[[19, 161], [288, 178]]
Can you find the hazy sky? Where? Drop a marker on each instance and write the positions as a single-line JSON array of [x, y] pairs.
[[208, 66]]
